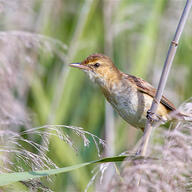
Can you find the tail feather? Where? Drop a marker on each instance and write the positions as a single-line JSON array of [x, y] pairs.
[[185, 110], [181, 116]]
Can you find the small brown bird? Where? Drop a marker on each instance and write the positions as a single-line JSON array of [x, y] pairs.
[[130, 96]]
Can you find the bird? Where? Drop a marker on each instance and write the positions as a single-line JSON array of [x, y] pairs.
[[130, 96]]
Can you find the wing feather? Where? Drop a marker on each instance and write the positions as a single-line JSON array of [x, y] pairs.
[[147, 88]]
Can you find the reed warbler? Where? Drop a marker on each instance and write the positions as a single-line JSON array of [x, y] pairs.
[[130, 96]]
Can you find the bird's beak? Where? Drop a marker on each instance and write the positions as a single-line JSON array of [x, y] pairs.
[[78, 65]]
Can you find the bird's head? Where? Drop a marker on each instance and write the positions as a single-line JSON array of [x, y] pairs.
[[99, 68]]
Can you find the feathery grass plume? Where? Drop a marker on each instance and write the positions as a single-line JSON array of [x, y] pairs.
[[19, 150], [16, 70], [172, 169], [25, 154], [14, 81], [57, 130], [20, 52]]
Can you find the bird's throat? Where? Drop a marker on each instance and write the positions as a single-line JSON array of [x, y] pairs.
[[111, 82]]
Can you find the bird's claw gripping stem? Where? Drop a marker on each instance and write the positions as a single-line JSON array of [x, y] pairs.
[[152, 117]]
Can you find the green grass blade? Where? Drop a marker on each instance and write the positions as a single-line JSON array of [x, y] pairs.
[[8, 178]]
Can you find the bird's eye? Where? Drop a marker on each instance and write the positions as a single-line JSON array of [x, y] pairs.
[[96, 65]]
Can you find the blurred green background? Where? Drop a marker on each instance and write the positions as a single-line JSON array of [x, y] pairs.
[[135, 33]]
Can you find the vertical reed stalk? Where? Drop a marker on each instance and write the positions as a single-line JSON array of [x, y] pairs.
[[167, 65]]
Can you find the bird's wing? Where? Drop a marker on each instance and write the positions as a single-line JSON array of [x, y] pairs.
[[147, 88]]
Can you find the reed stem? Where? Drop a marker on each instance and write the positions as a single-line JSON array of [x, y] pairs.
[[167, 66]]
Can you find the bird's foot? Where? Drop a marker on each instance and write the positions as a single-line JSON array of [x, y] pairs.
[[153, 117]]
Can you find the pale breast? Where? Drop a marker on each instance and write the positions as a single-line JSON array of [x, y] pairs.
[[132, 106]]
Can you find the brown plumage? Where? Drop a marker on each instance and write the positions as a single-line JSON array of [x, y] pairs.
[[147, 88], [130, 96]]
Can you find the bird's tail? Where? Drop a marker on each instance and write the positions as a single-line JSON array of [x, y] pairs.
[[184, 112], [182, 116]]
